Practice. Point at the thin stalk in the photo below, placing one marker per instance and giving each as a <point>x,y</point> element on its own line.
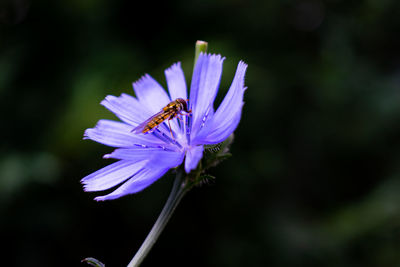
<point>179,189</point>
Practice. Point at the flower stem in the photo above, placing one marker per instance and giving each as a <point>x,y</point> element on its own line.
<point>179,189</point>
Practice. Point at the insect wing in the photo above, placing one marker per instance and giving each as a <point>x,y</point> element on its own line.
<point>142,126</point>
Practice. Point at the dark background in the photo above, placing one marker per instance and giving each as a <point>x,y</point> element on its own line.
<point>314,179</point>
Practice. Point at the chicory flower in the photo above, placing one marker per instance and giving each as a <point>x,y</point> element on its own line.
<point>144,158</point>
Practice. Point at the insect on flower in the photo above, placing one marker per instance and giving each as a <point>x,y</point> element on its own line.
<point>144,157</point>
<point>169,112</point>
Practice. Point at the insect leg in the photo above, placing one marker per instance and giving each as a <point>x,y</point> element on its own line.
<point>185,114</point>
<point>169,125</point>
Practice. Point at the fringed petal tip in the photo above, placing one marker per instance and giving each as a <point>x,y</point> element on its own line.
<point>141,79</point>
<point>176,82</point>
<point>85,189</point>
<point>173,67</point>
<point>86,134</point>
<point>242,64</point>
<point>212,56</point>
<point>144,81</point>
<point>107,156</point>
<point>108,101</point>
<point>104,198</point>
<point>150,93</point>
<point>99,199</point>
<point>108,98</point>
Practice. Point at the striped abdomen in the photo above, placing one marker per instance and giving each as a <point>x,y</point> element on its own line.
<point>157,120</point>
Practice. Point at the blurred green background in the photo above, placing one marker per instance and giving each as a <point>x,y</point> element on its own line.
<point>315,176</point>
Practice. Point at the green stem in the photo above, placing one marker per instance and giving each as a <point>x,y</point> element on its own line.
<point>179,189</point>
<point>201,46</point>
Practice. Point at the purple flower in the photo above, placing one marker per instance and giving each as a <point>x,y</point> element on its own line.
<point>144,158</point>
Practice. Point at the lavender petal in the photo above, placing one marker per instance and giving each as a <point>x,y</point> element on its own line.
<point>152,153</point>
<point>151,94</point>
<point>127,108</point>
<point>112,175</point>
<point>153,170</point>
<point>227,116</point>
<point>118,134</point>
<point>204,87</point>
<point>193,156</point>
<point>176,82</point>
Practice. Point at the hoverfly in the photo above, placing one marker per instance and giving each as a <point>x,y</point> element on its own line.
<point>169,112</point>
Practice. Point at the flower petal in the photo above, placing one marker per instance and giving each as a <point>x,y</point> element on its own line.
<point>127,108</point>
<point>176,82</point>
<point>118,134</point>
<point>153,170</point>
<point>177,89</point>
<point>227,116</point>
<point>112,175</point>
<point>152,154</point>
<point>193,156</point>
<point>224,130</point>
<point>204,87</point>
<point>140,181</point>
<point>151,94</point>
